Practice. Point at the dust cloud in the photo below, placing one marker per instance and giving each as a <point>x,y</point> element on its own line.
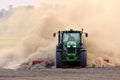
<point>26,31</point>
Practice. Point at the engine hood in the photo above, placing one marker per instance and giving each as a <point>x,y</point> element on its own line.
<point>71,43</point>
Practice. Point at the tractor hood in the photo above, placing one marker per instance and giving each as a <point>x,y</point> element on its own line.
<point>71,44</point>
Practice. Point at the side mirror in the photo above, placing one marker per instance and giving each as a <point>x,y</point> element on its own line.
<point>54,34</point>
<point>86,34</point>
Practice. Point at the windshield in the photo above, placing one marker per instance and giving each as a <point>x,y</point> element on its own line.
<point>71,37</point>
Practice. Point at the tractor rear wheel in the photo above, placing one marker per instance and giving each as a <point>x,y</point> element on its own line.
<point>83,59</point>
<point>58,60</point>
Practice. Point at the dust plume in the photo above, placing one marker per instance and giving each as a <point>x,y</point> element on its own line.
<point>26,31</point>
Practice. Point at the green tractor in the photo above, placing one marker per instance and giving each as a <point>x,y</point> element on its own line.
<point>70,49</point>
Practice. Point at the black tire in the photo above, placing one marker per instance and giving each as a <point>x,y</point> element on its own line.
<point>58,60</point>
<point>83,59</point>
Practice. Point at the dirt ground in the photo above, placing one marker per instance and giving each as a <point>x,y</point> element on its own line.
<point>62,74</point>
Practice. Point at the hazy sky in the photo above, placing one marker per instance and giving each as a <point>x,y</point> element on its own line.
<point>6,3</point>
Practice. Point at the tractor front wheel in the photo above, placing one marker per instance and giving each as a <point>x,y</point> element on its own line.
<point>83,59</point>
<point>58,60</point>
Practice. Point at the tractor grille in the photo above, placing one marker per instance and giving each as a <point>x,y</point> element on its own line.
<point>71,50</point>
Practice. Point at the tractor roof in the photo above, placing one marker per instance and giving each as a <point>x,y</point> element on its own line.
<point>71,31</point>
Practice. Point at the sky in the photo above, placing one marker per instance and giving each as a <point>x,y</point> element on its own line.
<point>5,3</point>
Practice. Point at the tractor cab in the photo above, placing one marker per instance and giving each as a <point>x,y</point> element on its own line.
<point>71,38</point>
